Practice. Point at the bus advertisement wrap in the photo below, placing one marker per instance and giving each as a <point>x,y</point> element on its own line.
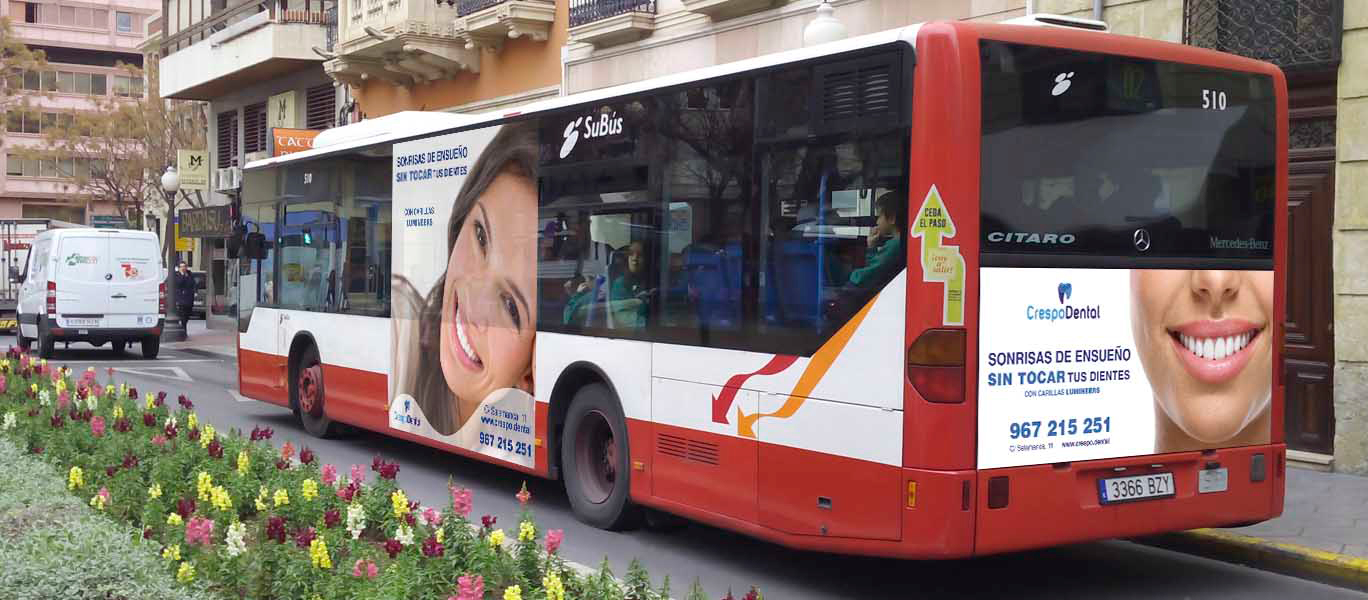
<point>464,289</point>
<point>1083,364</point>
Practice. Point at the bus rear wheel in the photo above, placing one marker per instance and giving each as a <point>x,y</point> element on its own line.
<point>309,395</point>
<point>594,452</point>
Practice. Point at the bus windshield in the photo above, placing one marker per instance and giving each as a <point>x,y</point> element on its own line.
<point>1113,156</point>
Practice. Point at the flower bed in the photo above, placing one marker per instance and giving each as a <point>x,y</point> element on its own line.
<point>245,519</point>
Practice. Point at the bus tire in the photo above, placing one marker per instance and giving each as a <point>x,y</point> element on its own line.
<point>594,453</point>
<point>309,393</point>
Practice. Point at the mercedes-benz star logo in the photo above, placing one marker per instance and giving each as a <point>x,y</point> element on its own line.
<point>1141,239</point>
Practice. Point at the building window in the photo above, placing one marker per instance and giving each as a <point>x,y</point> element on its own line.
<point>30,12</point>
<point>53,168</point>
<point>123,22</point>
<point>70,214</point>
<point>128,86</point>
<point>320,107</point>
<point>254,132</point>
<point>227,139</point>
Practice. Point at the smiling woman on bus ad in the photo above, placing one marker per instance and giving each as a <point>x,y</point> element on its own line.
<point>1203,338</point>
<point>471,344</point>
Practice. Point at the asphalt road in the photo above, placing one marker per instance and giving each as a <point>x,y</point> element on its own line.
<point>720,559</point>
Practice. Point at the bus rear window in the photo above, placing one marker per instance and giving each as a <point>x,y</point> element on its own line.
<point>1099,157</point>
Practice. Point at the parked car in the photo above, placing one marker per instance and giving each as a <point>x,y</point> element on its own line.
<point>92,285</point>
<point>200,309</point>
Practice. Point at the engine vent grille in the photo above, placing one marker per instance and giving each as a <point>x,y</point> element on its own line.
<point>687,449</point>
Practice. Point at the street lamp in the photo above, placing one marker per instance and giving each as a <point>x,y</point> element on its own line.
<point>172,329</point>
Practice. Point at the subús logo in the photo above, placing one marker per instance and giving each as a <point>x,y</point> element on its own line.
<point>1064,312</point>
<point>589,128</point>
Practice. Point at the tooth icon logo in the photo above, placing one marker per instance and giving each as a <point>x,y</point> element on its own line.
<point>1065,292</point>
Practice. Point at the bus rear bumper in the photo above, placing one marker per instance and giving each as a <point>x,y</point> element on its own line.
<point>1047,505</point>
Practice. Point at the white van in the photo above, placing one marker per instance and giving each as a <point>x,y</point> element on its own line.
<point>93,285</point>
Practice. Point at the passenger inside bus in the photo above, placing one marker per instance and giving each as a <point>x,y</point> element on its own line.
<point>886,253</point>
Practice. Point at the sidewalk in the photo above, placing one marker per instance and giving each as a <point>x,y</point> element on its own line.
<point>222,342</point>
<point>1322,533</point>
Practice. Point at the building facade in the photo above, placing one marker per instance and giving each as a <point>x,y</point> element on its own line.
<point>1322,45</point>
<point>458,55</point>
<point>84,43</point>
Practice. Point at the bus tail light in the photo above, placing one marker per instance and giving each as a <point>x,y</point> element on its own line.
<point>161,298</point>
<point>935,365</point>
<point>52,299</point>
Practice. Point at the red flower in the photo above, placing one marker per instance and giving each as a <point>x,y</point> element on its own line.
<point>132,393</point>
<point>523,495</point>
<point>37,450</point>
<point>193,435</point>
<point>305,536</point>
<point>122,425</point>
<point>130,461</point>
<point>376,462</point>
<point>170,431</point>
<point>432,548</point>
<point>488,521</point>
<point>58,421</point>
<point>149,419</point>
<point>753,594</point>
<point>147,533</point>
<point>33,412</point>
<point>409,520</point>
<point>389,471</point>
<point>185,507</point>
<point>306,456</point>
<point>215,449</point>
<point>393,547</point>
<point>111,471</point>
<point>283,465</point>
<point>331,518</point>
<point>181,400</point>
<point>275,529</point>
<point>262,433</point>
<point>347,492</point>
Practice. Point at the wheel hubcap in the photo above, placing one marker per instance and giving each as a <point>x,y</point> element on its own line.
<point>311,390</point>
<point>596,457</point>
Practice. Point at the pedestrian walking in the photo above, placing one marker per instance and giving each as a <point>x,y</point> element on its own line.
<point>185,294</point>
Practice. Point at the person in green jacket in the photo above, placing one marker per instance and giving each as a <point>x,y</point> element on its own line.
<point>886,254</point>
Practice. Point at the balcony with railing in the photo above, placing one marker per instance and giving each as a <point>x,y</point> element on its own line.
<point>611,22</point>
<point>403,42</point>
<point>487,23</point>
<point>726,9</point>
<point>242,45</point>
<point>1297,35</point>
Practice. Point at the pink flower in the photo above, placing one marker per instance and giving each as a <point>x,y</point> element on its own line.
<point>97,426</point>
<point>287,451</point>
<point>199,530</point>
<point>471,587</point>
<point>329,475</point>
<point>63,400</point>
<point>461,501</point>
<point>371,570</point>
<point>358,474</point>
<point>103,493</point>
<point>523,495</point>
<point>365,568</point>
<point>431,516</point>
<point>159,440</point>
<point>554,537</point>
<point>2,384</point>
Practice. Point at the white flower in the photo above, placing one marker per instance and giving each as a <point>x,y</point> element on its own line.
<point>236,544</point>
<point>171,421</point>
<point>43,397</point>
<point>404,534</point>
<point>356,519</point>
<point>93,402</point>
<point>8,422</point>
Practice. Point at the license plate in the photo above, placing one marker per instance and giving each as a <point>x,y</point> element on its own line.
<point>1213,480</point>
<point>82,322</point>
<point>1137,487</point>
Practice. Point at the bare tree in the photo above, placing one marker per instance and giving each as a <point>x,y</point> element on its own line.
<point>15,59</point>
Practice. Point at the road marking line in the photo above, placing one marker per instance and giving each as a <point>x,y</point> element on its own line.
<point>176,373</point>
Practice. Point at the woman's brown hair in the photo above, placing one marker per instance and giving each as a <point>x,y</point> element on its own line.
<point>513,151</point>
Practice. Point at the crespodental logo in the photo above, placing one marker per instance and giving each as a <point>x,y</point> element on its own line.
<point>589,128</point>
<point>1064,312</point>
<point>402,414</point>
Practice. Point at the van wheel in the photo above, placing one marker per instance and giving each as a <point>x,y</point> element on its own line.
<point>45,342</point>
<point>150,347</point>
<point>23,342</point>
<point>119,346</point>
<point>595,453</point>
<point>309,394</point>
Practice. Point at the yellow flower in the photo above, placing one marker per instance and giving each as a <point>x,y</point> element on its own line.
<point>261,499</point>
<point>207,435</point>
<point>61,385</point>
<point>441,537</point>
<point>400,502</point>
<point>75,478</point>
<point>174,520</point>
<point>151,400</point>
<point>244,462</point>
<point>186,572</point>
<point>123,390</point>
<point>171,552</point>
<point>526,531</point>
<point>555,589</point>
<point>109,389</point>
<point>513,593</point>
<point>33,387</point>
<point>282,497</point>
<point>308,489</point>
<point>318,554</point>
<point>192,421</point>
<point>97,502</point>
<point>204,484</point>
<point>220,499</point>
<point>154,492</point>
<point>496,538</point>
<point>118,411</point>
<point>43,362</point>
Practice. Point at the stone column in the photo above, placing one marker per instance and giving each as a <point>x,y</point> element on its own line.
<point>1351,247</point>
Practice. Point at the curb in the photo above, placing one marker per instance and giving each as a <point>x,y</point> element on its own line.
<point>1289,559</point>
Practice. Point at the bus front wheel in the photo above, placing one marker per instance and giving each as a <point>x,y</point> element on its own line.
<point>309,395</point>
<point>594,453</point>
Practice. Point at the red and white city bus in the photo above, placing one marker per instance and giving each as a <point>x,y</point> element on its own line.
<point>947,290</point>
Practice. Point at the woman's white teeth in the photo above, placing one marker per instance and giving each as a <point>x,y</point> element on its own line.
<point>1216,348</point>
<point>461,338</point>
